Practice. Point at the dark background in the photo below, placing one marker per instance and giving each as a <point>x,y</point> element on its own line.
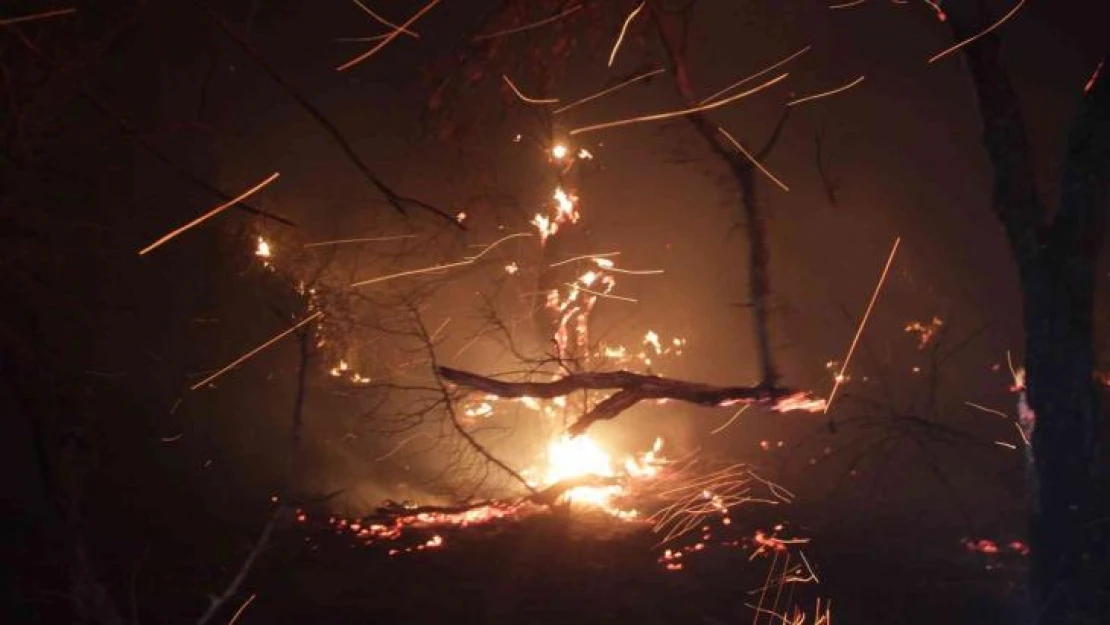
<point>108,343</point>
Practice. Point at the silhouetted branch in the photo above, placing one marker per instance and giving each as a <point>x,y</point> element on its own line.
<point>396,200</point>
<point>631,388</point>
<point>742,169</point>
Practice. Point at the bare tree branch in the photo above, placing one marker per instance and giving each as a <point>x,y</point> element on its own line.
<point>742,169</point>
<point>631,389</point>
<point>396,200</point>
<point>1016,201</point>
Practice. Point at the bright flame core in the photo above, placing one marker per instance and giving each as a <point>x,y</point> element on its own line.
<point>581,457</point>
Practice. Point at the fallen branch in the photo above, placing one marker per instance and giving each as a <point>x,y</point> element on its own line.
<point>631,388</point>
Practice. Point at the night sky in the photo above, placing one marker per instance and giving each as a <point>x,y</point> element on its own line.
<point>118,339</point>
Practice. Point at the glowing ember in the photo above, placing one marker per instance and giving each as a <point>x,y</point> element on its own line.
<point>559,151</point>
<point>262,250</point>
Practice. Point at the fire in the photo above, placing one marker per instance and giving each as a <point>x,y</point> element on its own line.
<point>559,151</point>
<point>262,250</point>
<point>582,457</point>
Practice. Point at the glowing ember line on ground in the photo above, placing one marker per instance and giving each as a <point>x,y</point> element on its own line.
<point>679,113</point>
<point>825,94</point>
<point>525,98</point>
<point>605,92</point>
<point>254,351</point>
<point>212,213</point>
<point>381,20</point>
<point>363,240</point>
<point>34,17</point>
<point>529,26</point>
<point>965,42</point>
<point>754,161</point>
<point>624,29</point>
<point>863,322</point>
<point>761,72</point>
<point>389,38</point>
<point>847,5</point>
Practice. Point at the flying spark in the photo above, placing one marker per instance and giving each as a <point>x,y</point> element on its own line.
<point>526,98</point>
<point>363,240</point>
<point>34,17</point>
<point>965,42</point>
<point>381,20</point>
<point>754,161</point>
<point>825,94</point>
<point>530,26</point>
<point>624,29</point>
<point>863,322</point>
<point>605,92</point>
<point>466,261</point>
<point>679,113</point>
<point>254,351</point>
<point>209,214</point>
<point>761,72</point>
<point>385,42</point>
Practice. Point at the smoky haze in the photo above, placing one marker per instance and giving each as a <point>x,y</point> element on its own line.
<point>902,149</point>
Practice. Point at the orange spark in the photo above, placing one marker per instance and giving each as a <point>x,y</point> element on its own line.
<point>254,351</point>
<point>363,240</point>
<point>1002,20</point>
<point>733,419</point>
<point>751,158</point>
<point>847,5</point>
<point>381,20</point>
<point>680,113</point>
<point>243,607</point>
<point>605,92</point>
<point>985,409</point>
<point>209,214</point>
<point>1094,78</point>
<point>600,294</point>
<point>583,257</point>
<point>825,94</point>
<point>624,29</point>
<point>863,322</point>
<point>941,15</point>
<point>529,26</point>
<point>385,42</point>
<point>466,261</point>
<point>761,72</point>
<point>34,17</point>
<point>526,98</point>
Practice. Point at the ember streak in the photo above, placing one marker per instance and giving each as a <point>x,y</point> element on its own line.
<point>555,311</point>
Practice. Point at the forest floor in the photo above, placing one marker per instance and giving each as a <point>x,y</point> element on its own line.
<point>560,568</point>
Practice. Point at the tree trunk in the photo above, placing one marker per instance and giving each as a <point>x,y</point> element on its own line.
<point>1069,579</point>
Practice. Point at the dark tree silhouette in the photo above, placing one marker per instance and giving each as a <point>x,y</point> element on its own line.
<point>1056,257</point>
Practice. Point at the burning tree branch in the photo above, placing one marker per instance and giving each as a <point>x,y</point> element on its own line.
<point>631,388</point>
